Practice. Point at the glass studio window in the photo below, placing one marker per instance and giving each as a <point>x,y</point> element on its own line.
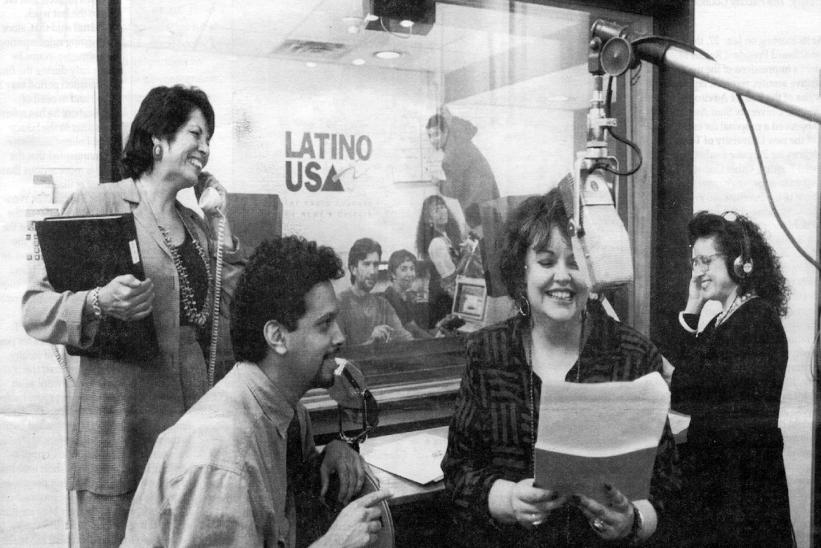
<point>326,103</point>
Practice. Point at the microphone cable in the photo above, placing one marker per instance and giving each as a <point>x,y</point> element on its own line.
<point>617,137</point>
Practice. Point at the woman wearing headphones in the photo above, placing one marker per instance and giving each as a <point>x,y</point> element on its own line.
<point>728,377</point>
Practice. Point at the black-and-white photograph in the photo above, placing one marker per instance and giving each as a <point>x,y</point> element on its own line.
<point>410,273</point>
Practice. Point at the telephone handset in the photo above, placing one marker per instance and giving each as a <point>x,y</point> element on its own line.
<point>211,200</point>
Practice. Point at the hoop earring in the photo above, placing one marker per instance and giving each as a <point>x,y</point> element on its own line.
<point>157,153</point>
<point>523,306</point>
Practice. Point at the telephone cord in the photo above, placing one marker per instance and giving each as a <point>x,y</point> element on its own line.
<point>215,316</point>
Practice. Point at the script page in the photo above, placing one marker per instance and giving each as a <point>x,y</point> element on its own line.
<point>592,434</point>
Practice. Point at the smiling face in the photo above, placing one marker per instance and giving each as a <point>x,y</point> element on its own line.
<point>438,214</point>
<point>715,281</point>
<point>365,272</point>
<point>404,275</point>
<point>314,343</point>
<point>186,153</point>
<point>555,288</point>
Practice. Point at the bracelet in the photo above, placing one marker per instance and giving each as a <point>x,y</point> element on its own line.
<point>638,522</point>
<point>95,303</point>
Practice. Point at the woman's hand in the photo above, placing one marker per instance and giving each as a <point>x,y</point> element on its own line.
<point>611,522</point>
<point>695,297</point>
<point>127,298</point>
<point>522,502</point>
<point>211,207</point>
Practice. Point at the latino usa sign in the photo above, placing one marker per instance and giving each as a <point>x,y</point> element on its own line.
<point>309,159</point>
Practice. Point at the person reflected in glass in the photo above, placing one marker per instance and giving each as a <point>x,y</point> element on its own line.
<point>468,176</point>
<point>561,334</point>
<point>728,377</point>
<point>439,242</point>
<point>402,295</point>
<point>366,317</point>
<point>120,406</point>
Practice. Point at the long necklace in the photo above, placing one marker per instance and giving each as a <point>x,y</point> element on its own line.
<point>528,343</point>
<point>189,302</point>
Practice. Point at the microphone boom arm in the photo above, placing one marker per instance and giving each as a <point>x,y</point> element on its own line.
<point>701,68</point>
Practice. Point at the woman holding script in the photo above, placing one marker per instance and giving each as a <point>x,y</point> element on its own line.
<point>120,405</point>
<point>560,335</point>
<point>729,377</point>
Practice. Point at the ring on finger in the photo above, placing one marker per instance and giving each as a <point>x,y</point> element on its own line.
<point>598,525</point>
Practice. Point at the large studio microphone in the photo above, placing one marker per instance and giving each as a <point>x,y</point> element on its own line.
<point>357,411</point>
<point>597,234</point>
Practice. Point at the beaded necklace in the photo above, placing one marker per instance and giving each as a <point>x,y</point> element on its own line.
<point>189,302</point>
<point>737,302</point>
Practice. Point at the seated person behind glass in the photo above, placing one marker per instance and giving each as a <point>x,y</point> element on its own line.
<point>364,317</point>
<point>401,293</point>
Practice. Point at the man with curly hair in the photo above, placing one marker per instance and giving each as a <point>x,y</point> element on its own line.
<point>223,475</point>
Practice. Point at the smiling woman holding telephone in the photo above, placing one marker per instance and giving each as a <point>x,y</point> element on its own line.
<point>121,405</point>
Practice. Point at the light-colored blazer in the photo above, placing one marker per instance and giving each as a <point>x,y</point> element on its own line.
<point>121,406</point>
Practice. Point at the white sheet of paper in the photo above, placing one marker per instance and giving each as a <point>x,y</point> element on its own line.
<point>591,434</point>
<point>416,458</point>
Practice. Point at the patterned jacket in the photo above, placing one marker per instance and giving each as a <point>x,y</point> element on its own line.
<point>491,438</point>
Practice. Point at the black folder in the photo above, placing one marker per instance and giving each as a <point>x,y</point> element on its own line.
<point>84,252</point>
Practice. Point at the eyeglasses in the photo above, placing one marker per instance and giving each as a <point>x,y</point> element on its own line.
<point>368,411</point>
<point>702,262</point>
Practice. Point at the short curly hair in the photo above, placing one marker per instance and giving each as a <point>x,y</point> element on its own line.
<point>279,275</point>
<point>728,230</point>
<point>163,111</point>
<point>529,225</point>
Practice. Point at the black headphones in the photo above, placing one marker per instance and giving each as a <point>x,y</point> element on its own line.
<point>743,264</point>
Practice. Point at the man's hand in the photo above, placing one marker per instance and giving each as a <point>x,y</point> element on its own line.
<point>381,333</point>
<point>349,467</point>
<point>357,524</point>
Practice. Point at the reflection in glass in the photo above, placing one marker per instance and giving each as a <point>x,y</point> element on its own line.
<point>345,147</point>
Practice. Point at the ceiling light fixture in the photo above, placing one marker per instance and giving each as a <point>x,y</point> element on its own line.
<point>406,23</point>
<point>388,54</point>
<point>358,61</point>
<point>310,64</point>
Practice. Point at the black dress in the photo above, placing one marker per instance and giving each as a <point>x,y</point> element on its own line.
<point>729,379</point>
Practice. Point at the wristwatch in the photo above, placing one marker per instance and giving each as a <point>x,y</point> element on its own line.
<point>638,523</point>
